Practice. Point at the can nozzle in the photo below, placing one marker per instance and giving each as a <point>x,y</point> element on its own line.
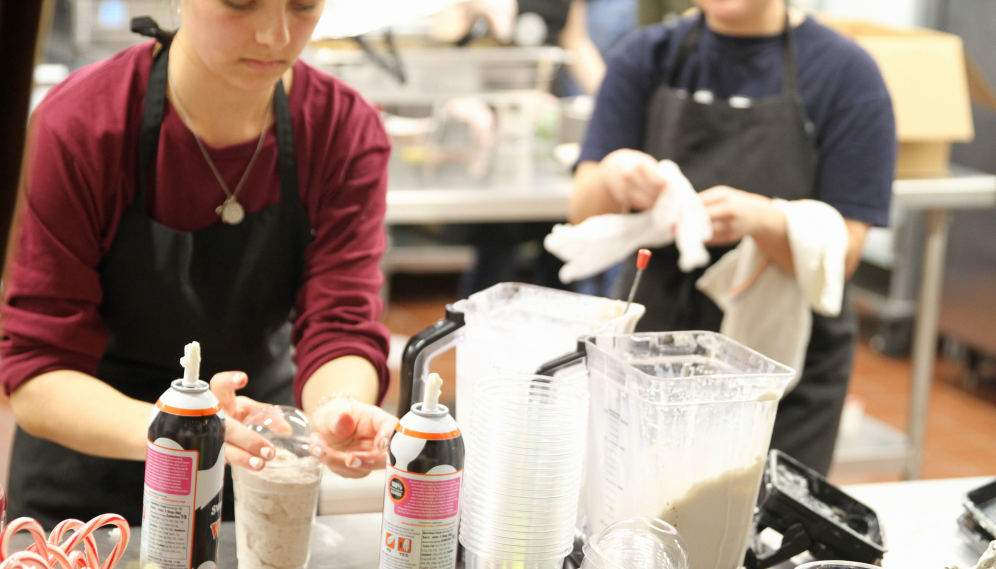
<point>191,362</point>
<point>433,387</point>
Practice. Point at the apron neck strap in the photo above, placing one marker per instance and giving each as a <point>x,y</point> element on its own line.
<point>152,121</point>
<point>287,157</point>
<point>691,41</point>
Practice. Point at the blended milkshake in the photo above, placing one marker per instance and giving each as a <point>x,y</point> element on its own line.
<point>715,517</point>
<point>274,510</point>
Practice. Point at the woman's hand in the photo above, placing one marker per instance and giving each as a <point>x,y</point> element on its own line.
<point>736,214</point>
<point>351,437</point>
<point>244,447</point>
<point>632,178</point>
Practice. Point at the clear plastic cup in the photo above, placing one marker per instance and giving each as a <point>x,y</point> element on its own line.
<point>497,548</point>
<point>275,507</point>
<point>636,543</point>
<point>513,541</point>
<point>551,515</point>
<point>517,556</point>
<point>531,521</point>
<point>515,437</point>
<point>498,457</point>
<point>524,488</point>
<point>476,560</point>
<point>535,461</point>
<point>522,474</point>
<point>837,565</point>
<point>521,505</point>
<point>502,528</point>
<point>522,470</point>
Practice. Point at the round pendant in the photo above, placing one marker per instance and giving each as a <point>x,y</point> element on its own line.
<point>232,212</point>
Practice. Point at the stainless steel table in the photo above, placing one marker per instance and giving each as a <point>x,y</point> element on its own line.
<point>964,189</point>
<point>544,199</point>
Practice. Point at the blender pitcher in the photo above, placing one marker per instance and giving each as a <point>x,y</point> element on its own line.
<point>510,327</point>
<point>679,428</point>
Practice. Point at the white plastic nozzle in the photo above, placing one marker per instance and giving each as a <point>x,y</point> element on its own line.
<point>191,362</point>
<point>433,387</point>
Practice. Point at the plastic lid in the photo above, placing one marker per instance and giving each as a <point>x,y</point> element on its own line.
<point>640,542</point>
<point>289,429</point>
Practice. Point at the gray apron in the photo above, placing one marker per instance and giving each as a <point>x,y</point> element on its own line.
<point>765,149</point>
<point>230,287</point>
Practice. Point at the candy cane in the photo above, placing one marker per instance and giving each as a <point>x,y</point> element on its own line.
<point>89,543</point>
<point>51,554</point>
<point>20,560</point>
<point>25,524</point>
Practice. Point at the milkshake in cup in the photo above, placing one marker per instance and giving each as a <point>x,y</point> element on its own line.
<point>275,507</point>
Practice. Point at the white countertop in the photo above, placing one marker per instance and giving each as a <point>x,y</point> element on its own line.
<point>919,517</point>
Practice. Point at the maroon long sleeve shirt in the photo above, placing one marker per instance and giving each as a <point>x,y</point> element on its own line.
<point>82,177</point>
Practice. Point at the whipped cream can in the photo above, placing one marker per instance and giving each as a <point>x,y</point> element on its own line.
<point>422,494</point>
<point>184,474</point>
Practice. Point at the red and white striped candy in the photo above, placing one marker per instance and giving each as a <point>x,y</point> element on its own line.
<point>58,553</point>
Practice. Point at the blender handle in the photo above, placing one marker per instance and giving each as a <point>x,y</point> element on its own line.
<point>553,366</point>
<point>412,361</point>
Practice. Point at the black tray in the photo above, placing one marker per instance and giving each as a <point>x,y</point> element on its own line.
<point>978,523</point>
<point>813,515</point>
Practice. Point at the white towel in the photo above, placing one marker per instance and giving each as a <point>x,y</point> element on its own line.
<point>602,241</point>
<point>769,310</point>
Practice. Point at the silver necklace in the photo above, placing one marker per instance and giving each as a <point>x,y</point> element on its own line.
<point>230,211</point>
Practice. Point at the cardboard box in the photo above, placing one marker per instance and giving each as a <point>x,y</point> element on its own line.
<point>932,84</point>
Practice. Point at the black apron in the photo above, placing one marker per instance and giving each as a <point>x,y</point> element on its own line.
<point>765,149</point>
<point>230,287</point>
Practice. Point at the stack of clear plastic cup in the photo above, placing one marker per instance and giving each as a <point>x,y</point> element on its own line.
<point>522,474</point>
<point>640,542</point>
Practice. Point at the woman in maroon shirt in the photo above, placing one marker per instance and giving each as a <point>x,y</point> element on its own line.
<point>206,186</point>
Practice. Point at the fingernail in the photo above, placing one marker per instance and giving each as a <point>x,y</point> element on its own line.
<point>256,462</point>
<point>383,444</point>
<point>267,453</point>
<point>370,461</point>
<point>316,451</point>
<point>355,463</point>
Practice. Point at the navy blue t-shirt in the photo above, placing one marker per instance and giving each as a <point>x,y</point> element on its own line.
<point>843,91</point>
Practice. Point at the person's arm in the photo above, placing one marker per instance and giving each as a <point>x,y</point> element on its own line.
<point>588,68</point>
<point>857,146</point>
<point>341,345</point>
<point>352,433</point>
<point>53,334</point>
<point>84,414</point>
<point>736,213</point>
<point>625,179</point>
<point>610,175</point>
<point>348,374</point>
